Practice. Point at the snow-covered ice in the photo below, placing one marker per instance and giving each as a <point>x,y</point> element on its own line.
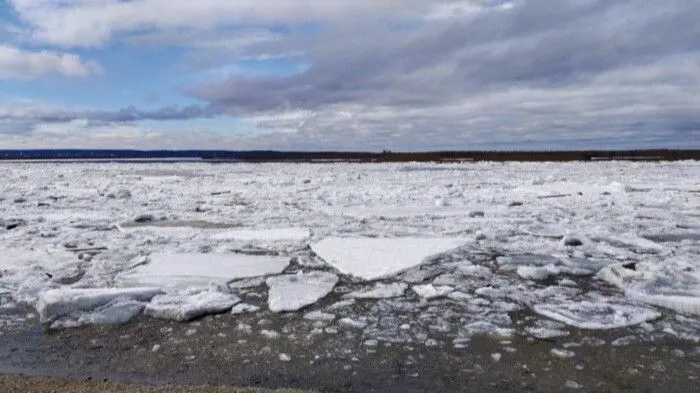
<point>377,258</point>
<point>452,250</point>
<point>295,291</point>
<point>192,269</point>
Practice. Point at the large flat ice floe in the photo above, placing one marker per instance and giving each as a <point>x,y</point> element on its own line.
<point>275,234</point>
<point>296,291</point>
<point>377,258</point>
<point>191,269</point>
<point>596,315</point>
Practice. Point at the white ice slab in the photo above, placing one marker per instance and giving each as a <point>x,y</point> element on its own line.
<point>186,270</point>
<point>430,291</point>
<point>275,234</point>
<point>296,291</point>
<point>670,287</point>
<point>380,291</point>
<point>185,307</point>
<point>116,312</point>
<point>596,315</point>
<point>12,259</point>
<point>56,303</point>
<point>376,258</point>
<point>534,273</point>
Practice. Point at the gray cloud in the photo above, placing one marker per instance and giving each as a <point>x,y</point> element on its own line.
<point>537,43</point>
<point>125,115</point>
<point>526,74</point>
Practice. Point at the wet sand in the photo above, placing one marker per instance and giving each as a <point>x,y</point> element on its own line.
<point>216,351</point>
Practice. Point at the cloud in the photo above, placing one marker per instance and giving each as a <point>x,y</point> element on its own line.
<point>17,63</point>
<point>94,22</point>
<point>536,43</point>
<point>404,75</point>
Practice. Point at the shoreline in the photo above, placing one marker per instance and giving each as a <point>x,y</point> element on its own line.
<point>38,384</point>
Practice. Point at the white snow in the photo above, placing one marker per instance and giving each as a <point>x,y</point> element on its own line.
<point>377,258</point>
<point>596,315</point>
<point>296,291</point>
<point>194,269</point>
<point>56,303</point>
<point>275,234</point>
<point>380,291</point>
<point>192,304</point>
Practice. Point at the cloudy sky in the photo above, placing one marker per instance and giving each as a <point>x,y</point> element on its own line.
<point>349,74</point>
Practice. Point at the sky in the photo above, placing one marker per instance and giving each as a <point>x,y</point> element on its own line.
<point>353,75</point>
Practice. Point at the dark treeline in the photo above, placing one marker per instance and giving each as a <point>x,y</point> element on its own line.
<point>386,156</point>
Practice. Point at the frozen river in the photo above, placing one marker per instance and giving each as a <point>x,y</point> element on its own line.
<point>398,253</point>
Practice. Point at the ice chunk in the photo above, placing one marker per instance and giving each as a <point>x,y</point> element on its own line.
<point>527,260</point>
<point>596,315</point>
<point>293,292</point>
<point>534,273</point>
<point>377,258</point>
<point>276,234</point>
<point>241,308</point>
<point>562,353</point>
<point>319,316</point>
<point>429,291</point>
<point>57,303</point>
<point>671,286</point>
<point>680,303</point>
<point>188,306</point>
<point>186,270</point>
<point>380,291</point>
<point>546,329</point>
<point>118,311</point>
<point>352,323</point>
<point>488,328</point>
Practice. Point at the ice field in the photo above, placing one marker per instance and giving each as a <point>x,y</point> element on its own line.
<point>395,251</point>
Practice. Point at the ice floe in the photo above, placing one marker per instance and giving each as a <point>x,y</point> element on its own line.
<point>597,315</point>
<point>637,224</point>
<point>430,291</point>
<point>677,289</point>
<point>191,269</point>
<point>377,258</point>
<point>295,291</point>
<point>57,303</point>
<point>191,304</point>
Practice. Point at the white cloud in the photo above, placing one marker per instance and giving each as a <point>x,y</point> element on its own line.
<point>93,22</point>
<point>16,63</point>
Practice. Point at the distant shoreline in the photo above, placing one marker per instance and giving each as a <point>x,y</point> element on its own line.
<point>165,156</point>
